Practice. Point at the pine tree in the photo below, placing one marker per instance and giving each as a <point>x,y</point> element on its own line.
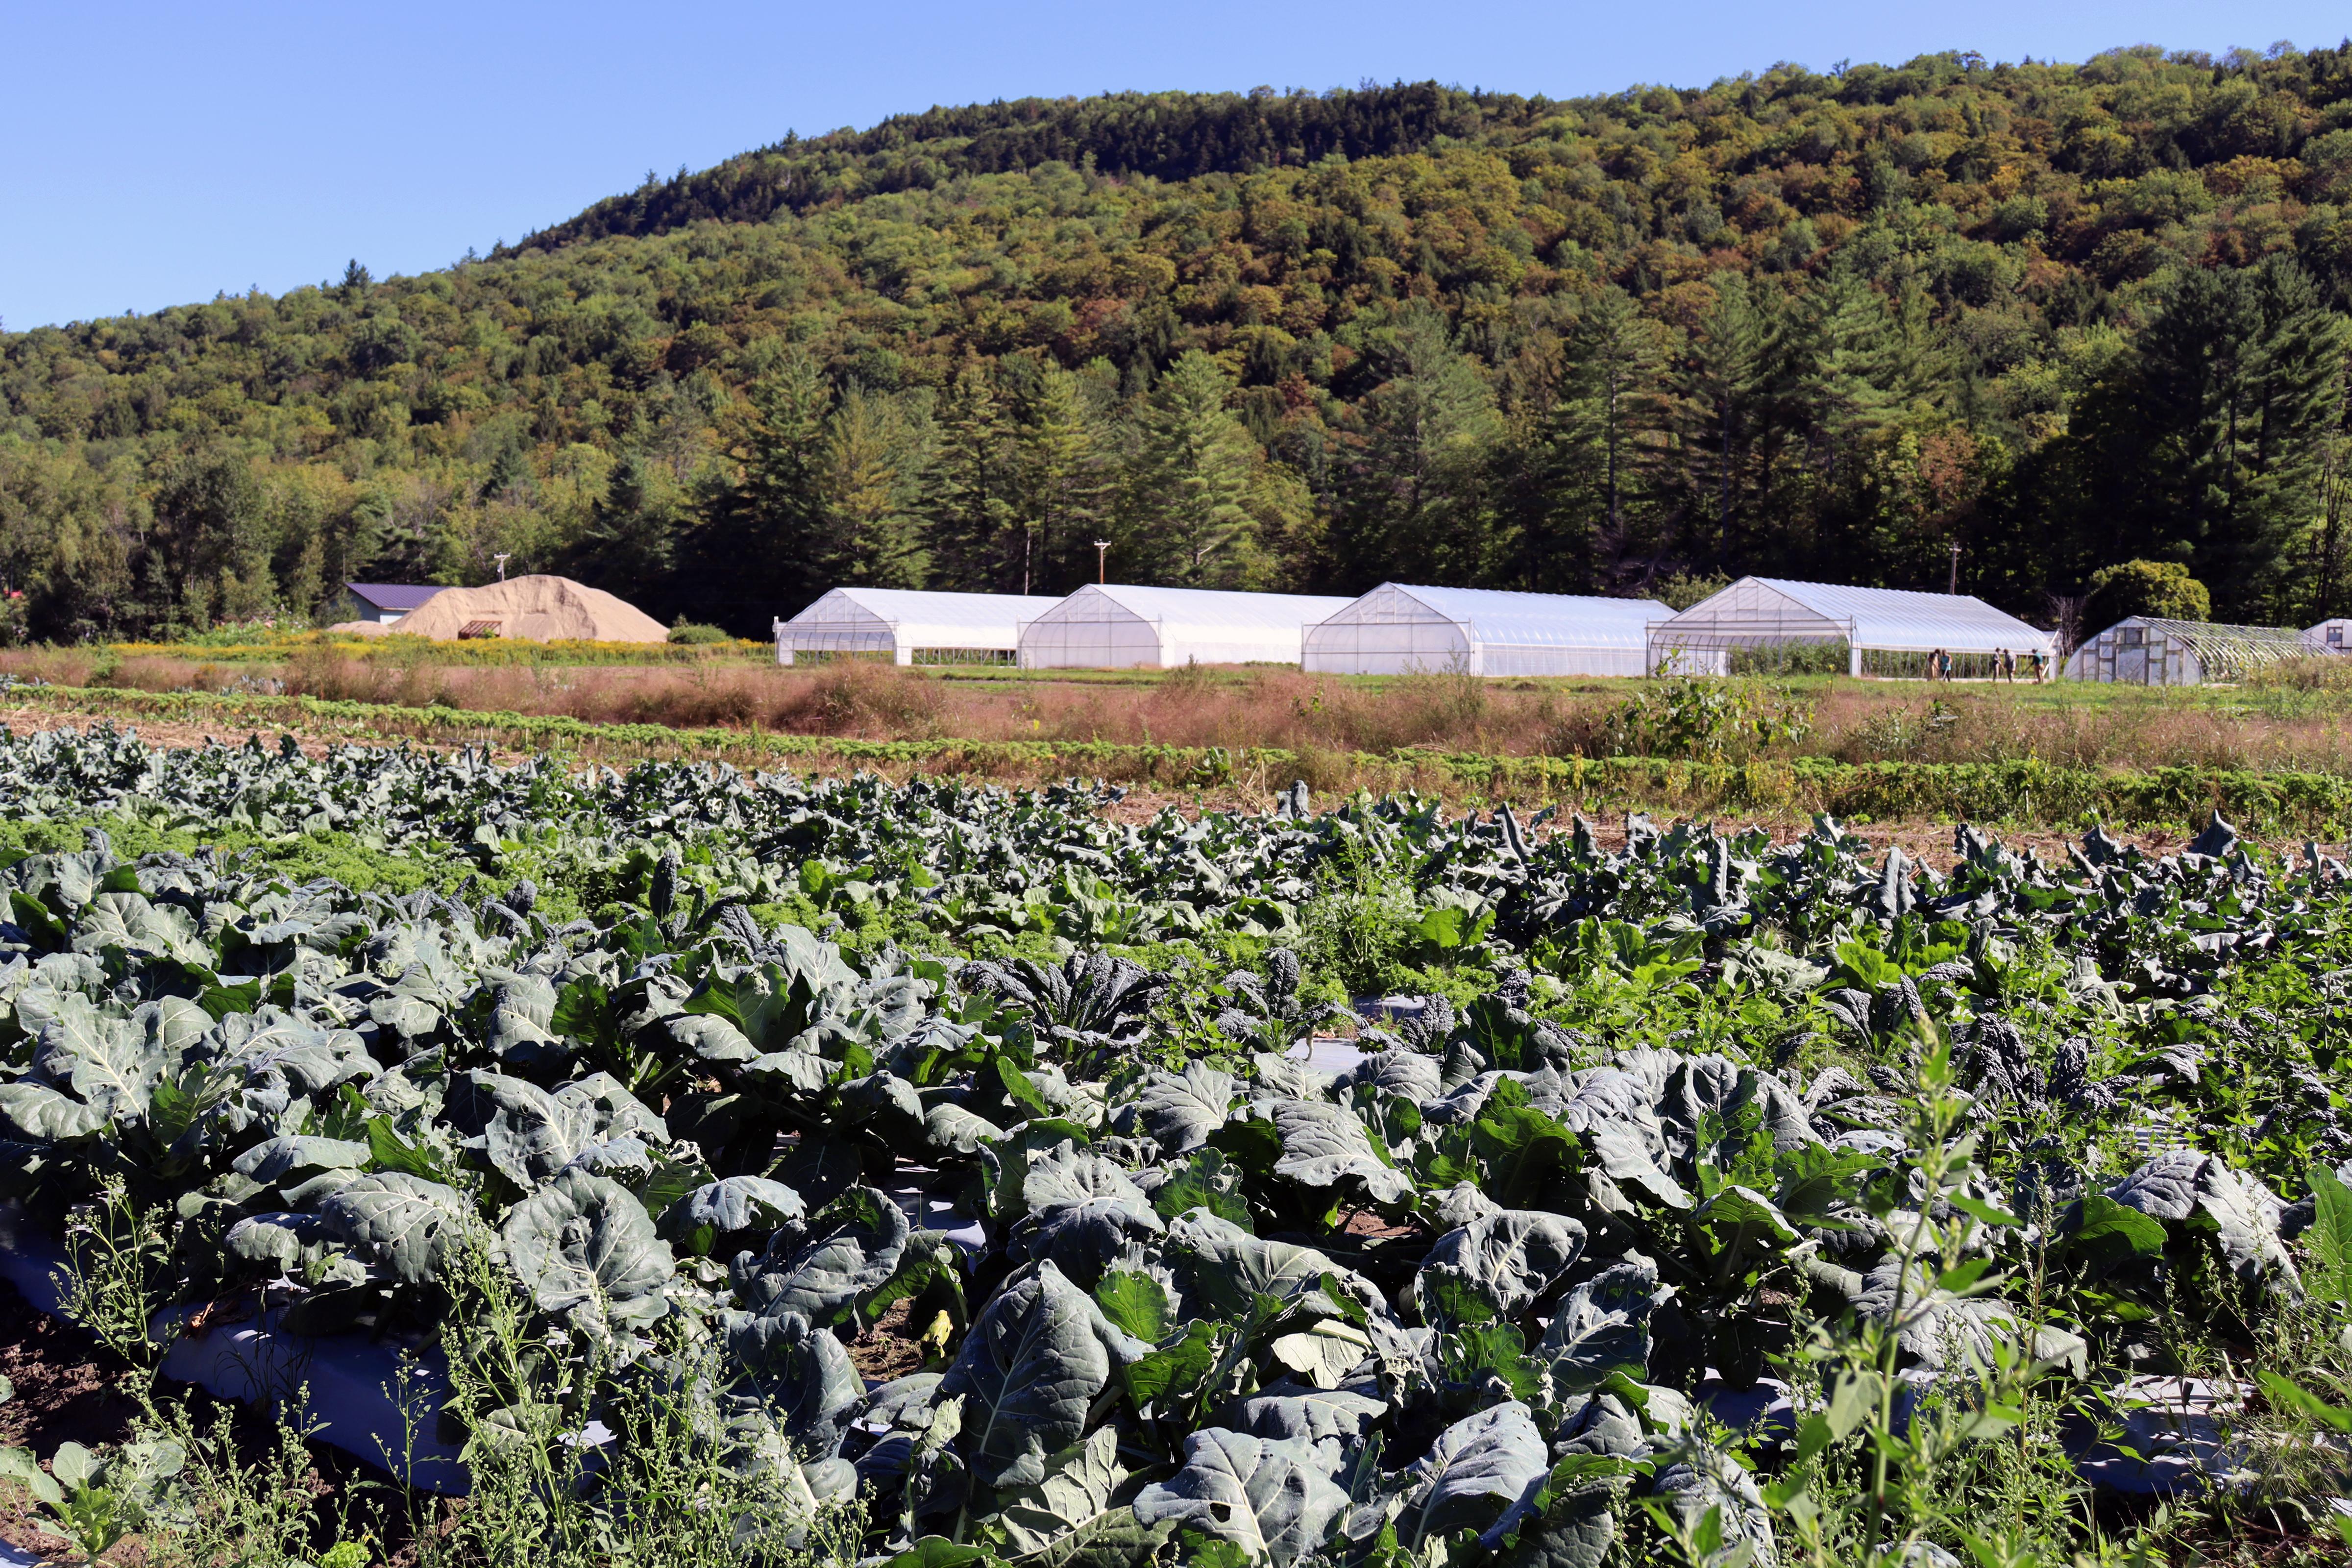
<point>632,538</point>
<point>1724,383</point>
<point>1853,367</point>
<point>1603,446</point>
<point>2211,447</point>
<point>1061,465</point>
<point>869,531</point>
<point>753,556</point>
<point>1414,500</point>
<point>976,510</point>
<point>1187,519</point>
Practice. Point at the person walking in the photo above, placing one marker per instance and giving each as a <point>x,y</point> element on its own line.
<point>1936,663</point>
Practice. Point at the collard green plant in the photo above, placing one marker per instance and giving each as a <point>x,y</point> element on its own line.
<point>1701,1112</point>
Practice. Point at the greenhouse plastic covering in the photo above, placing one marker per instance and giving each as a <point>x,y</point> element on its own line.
<point>1758,612</point>
<point>1397,627</point>
<point>1118,626</point>
<point>2330,637</point>
<point>2149,651</point>
<point>906,626</point>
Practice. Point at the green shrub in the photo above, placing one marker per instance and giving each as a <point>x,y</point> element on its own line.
<point>2161,588</point>
<point>695,634</point>
<point>1701,718</point>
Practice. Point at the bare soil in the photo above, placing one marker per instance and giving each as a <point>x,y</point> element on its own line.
<point>892,1347</point>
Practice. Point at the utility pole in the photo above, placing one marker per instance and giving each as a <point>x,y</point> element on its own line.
<point>502,557</point>
<point>1102,553</point>
<point>1954,588</point>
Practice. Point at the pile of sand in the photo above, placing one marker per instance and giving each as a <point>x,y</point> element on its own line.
<point>537,608</point>
<point>359,628</point>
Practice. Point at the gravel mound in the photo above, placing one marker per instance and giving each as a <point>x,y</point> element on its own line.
<point>537,608</point>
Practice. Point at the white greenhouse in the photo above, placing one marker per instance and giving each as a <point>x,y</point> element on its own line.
<point>2149,650</point>
<point>2330,637</point>
<point>1400,627</point>
<point>908,627</point>
<point>1116,626</point>
<point>1885,631</point>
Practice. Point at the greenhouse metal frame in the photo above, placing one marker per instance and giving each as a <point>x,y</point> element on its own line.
<point>2149,651</point>
<point>1400,628</point>
<point>1886,631</point>
<point>907,626</point>
<point>1116,626</point>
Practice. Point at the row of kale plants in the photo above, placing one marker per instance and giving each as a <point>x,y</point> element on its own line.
<point>1933,1170</point>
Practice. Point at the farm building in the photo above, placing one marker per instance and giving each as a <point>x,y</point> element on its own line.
<point>386,602</point>
<point>1885,631</point>
<point>2330,637</point>
<point>2146,650</point>
<point>1399,626</point>
<point>909,627</point>
<point>1116,626</point>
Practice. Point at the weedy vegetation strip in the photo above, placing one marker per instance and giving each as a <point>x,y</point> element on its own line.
<point>2026,791</point>
<point>657,1102</point>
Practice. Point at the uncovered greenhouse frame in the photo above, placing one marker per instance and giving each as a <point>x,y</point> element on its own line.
<point>907,626</point>
<point>1117,625</point>
<point>2149,651</point>
<point>1886,631</point>
<point>1400,627</point>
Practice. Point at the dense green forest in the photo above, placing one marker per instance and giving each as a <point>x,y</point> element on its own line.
<point>1816,325</point>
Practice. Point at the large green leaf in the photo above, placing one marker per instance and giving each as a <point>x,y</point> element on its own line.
<point>584,1246</point>
<point>1601,1328</point>
<point>1267,1497</point>
<point>106,1061</point>
<point>1180,1112</point>
<point>1496,1265</point>
<point>732,1206</point>
<point>2330,1276</point>
<point>1074,1492</point>
<point>1477,1468</point>
<point>1030,1371</point>
<point>1223,1269</point>
<point>41,1113</point>
<point>1310,1415</point>
<point>1324,1145</point>
<point>855,1249</point>
<point>2200,1191</point>
<point>803,1375</point>
<point>402,1223</point>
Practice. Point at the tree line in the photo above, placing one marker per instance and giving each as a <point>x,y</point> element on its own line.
<point>2063,317</point>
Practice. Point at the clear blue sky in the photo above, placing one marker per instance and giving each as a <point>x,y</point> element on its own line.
<point>158,154</point>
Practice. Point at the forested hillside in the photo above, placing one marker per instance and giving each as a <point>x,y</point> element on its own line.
<point>1818,325</point>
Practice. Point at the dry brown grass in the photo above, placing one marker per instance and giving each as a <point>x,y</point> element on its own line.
<point>854,699</point>
<point>2103,729</point>
<point>2297,716</point>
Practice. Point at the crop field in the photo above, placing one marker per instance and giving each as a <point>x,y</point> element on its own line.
<point>2275,755</point>
<point>753,1167</point>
